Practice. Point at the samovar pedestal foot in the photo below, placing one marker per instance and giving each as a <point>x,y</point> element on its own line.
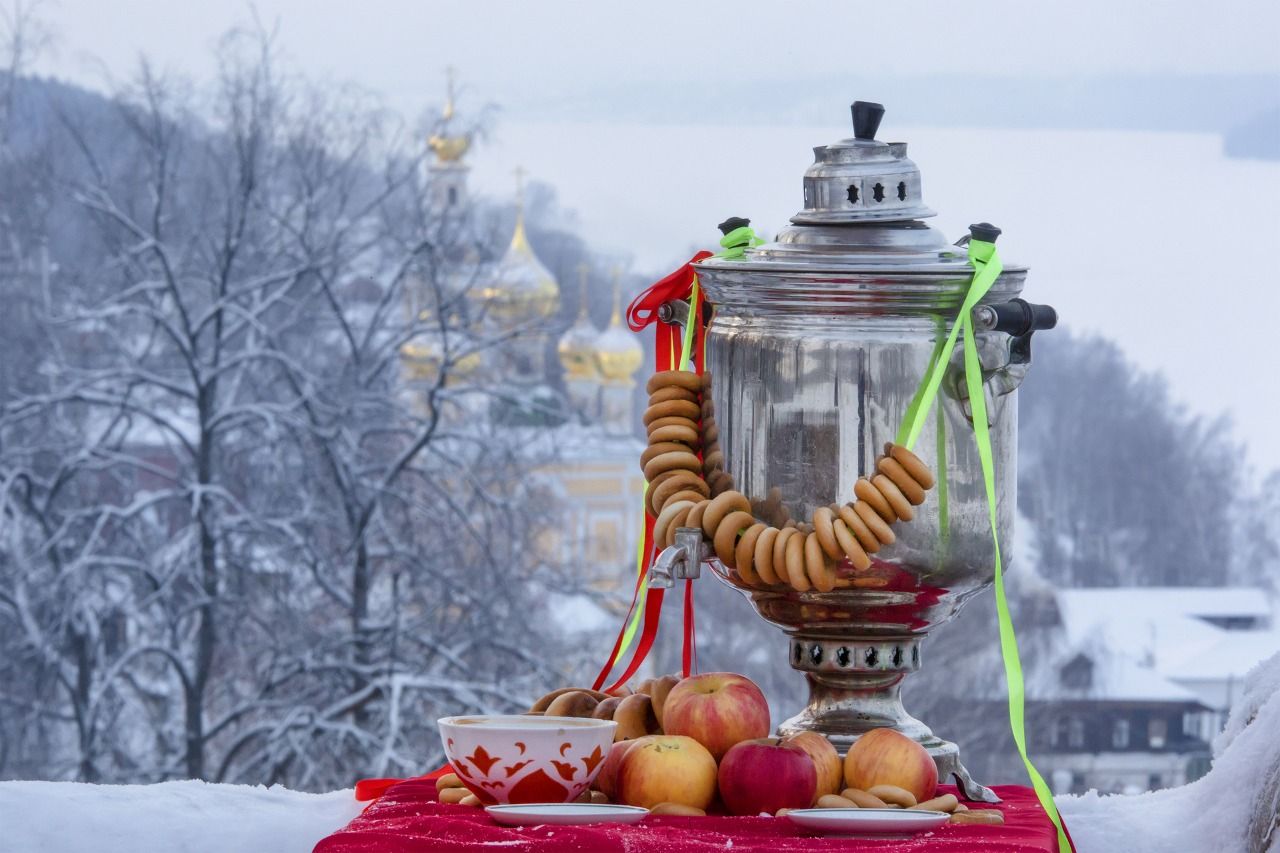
<point>855,685</point>
<point>949,767</point>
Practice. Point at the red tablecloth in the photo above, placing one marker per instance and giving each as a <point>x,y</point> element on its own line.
<point>407,819</point>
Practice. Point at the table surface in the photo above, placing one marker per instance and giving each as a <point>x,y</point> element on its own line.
<point>407,819</point>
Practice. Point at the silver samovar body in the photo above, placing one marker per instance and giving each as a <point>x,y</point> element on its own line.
<point>818,343</point>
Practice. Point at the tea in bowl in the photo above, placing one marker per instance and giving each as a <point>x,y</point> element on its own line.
<point>513,758</point>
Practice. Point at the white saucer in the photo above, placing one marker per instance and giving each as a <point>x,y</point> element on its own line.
<point>565,814</point>
<point>884,821</point>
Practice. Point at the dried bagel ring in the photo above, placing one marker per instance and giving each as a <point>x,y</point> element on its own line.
<point>822,518</point>
<point>681,516</point>
<point>670,420</point>
<point>744,554</point>
<point>849,544</point>
<point>695,514</point>
<point>672,409</point>
<point>541,705</point>
<point>720,482</point>
<point>794,556</point>
<point>687,495</point>
<point>659,448</point>
<point>666,516</point>
<point>720,507</point>
<point>672,392</point>
<point>869,493</point>
<point>685,379</point>
<point>859,529</point>
<point>712,460</point>
<point>660,495</point>
<point>918,470</point>
<point>784,536</point>
<point>762,559</point>
<point>575,703</point>
<point>725,542</point>
<point>873,520</point>
<point>911,490</point>
<point>710,432</point>
<point>683,433</point>
<point>895,497</point>
<point>677,459</point>
<point>708,408</point>
<point>816,566</point>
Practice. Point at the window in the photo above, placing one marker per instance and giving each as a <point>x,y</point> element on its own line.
<point>1120,734</point>
<point>453,196</point>
<point>1075,733</point>
<point>1157,732</point>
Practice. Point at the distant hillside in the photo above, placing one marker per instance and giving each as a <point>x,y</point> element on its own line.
<point>1256,139</point>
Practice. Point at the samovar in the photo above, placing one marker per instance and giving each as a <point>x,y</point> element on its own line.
<point>819,341</point>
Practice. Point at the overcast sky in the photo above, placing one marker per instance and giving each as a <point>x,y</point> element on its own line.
<point>525,52</point>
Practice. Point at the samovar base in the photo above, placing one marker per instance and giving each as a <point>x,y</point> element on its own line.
<point>855,685</point>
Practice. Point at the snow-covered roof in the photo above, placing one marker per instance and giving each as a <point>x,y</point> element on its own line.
<point>1115,678</point>
<point>1233,656</point>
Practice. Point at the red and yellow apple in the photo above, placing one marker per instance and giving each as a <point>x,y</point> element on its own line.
<point>765,775</point>
<point>717,709</point>
<point>887,757</point>
<point>606,780</point>
<point>667,769</point>
<point>826,761</point>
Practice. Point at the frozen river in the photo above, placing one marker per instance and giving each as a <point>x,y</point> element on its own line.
<point>1154,239</point>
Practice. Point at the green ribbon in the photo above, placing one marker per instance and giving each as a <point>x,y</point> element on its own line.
<point>986,269</point>
<point>737,241</point>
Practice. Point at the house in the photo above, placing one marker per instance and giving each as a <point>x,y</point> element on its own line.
<point>1141,682</point>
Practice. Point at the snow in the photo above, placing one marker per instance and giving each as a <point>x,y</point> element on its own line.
<point>1214,813</point>
<point>1116,678</point>
<point>169,817</point>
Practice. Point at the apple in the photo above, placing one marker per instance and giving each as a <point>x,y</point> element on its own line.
<point>667,769</point>
<point>826,761</point>
<point>765,775</point>
<point>717,709</point>
<point>888,757</point>
<point>606,780</point>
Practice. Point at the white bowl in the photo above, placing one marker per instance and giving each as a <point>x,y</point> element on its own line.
<point>514,758</point>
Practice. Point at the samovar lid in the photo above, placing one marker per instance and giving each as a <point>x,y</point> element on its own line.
<point>862,179</point>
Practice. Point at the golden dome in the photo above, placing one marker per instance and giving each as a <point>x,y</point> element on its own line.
<point>422,362</point>
<point>618,351</point>
<point>577,346</point>
<point>448,148</point>
<point>522,288</point>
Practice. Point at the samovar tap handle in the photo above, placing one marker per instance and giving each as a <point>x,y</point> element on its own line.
<point>681,560</point>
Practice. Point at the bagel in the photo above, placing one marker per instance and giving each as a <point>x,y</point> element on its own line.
<point>853,550</point>
<point>712,460</point>
<point>895,497</point>
<point>672,392</point>
<point>671,409</point>
<point>665,517</point>
<point>892,469</point>
<point>822,519</point>
<point>679,520</point>
<point>762,559</point>
<point>911,463</point>
<point>695,514</point>
<point>819,571</point>
<point>675,460</point>
<point>780,554</point>
<point>685,379</point>
<point>873,520</point>
<point>794,556</point>
<point>659,448</point>
<point>604,710</point>
<point>721,506</point>
<point>859,528</point>
<point>745,551</point>
<point>725,541</point>
<point>869,493</point>
<point>661,494</point>
<point>683,432</point>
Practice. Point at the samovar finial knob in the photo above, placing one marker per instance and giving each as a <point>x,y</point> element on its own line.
<point>866,119</point>
<point>984,231</point>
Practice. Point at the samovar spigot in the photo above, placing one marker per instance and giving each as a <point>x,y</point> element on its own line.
<point>681,560</point>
